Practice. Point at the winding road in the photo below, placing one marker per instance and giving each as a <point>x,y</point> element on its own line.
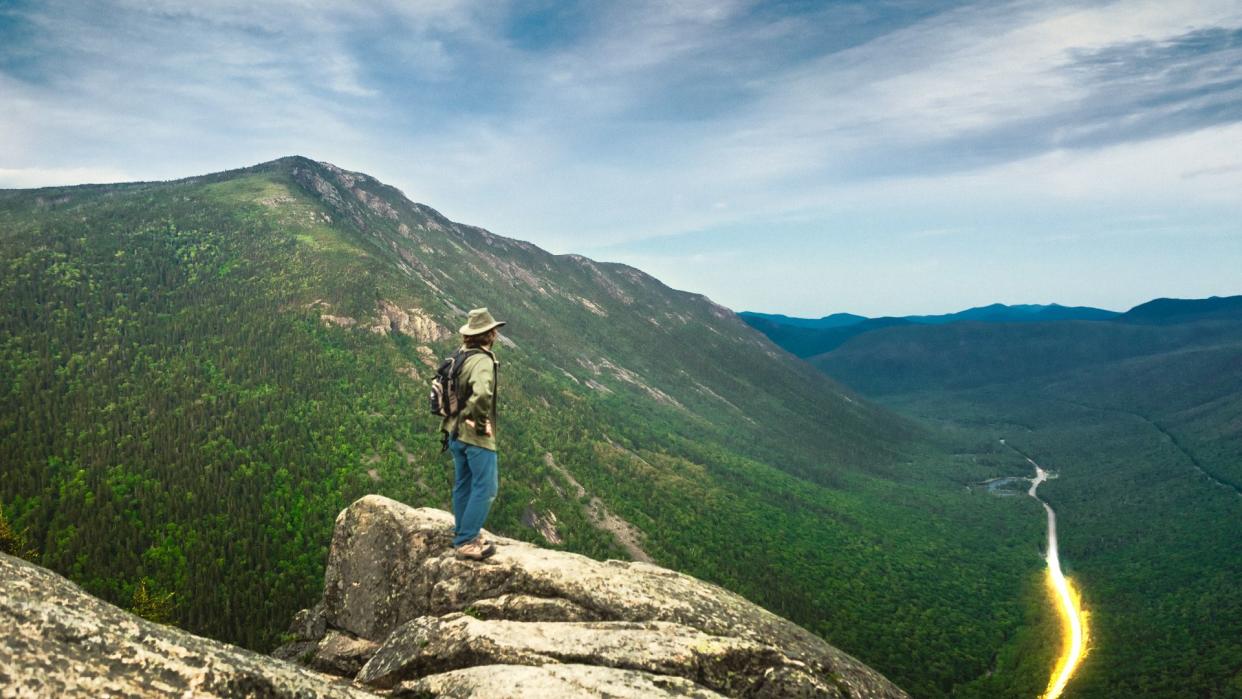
<point>1073,618</point>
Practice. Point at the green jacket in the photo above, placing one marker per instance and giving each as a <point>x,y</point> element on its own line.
<point>477,380</point>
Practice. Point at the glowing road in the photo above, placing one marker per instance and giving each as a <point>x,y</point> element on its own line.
<point>1069,605</point>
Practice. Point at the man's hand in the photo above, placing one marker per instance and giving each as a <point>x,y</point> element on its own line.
<point>487,429</point>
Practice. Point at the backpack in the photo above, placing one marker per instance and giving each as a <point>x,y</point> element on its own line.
<point>446,398</point>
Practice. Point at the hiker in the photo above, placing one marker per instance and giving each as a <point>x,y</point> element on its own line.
<point>471,436</point>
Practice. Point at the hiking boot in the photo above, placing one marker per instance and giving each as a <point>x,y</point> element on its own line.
<point>475,550</point>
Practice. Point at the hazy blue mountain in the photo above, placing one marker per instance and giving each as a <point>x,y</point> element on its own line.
<point>1022,313</point>
<point>966,354</point>
<point>804,341</point>
<point>807,337</point>
<point>1185,310</point>
<point>835,320</point>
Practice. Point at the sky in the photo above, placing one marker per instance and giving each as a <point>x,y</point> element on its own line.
<point>881,157</point>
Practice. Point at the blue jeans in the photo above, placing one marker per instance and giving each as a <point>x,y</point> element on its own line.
<point>474,488</point>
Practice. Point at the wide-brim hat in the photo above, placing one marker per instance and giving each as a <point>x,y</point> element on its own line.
<point>479,321</point>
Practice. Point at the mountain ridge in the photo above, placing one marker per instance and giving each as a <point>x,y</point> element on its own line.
<point>206,370</point>
<point>964,355</point>
<point>1171,310</point>
<point>805,337</point>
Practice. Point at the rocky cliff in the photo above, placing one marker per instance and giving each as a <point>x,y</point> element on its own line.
<point>401,616</point>
<point>58,641</point>
<point>399,612</point>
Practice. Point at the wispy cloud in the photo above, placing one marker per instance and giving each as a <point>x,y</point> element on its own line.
<point>43,177</point>
<point>587,126</point>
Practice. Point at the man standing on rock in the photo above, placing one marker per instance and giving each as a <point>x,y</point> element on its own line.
<point>472,436</point>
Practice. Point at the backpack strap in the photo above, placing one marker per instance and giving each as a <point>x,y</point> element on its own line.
<point>495,378</point>
<point>459,360</point>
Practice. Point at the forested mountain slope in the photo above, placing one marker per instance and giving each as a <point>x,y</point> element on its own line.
<point>198,375</point>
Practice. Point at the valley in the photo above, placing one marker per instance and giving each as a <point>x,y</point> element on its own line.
<point>1140,419</point>
<point>1074,633</point>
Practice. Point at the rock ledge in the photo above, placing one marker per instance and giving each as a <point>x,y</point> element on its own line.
<point>59,641</point>
<point>401,615</point>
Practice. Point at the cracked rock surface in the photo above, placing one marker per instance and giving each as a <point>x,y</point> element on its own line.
<point>524,681</point>
<point>59,641</point>
<point>535,622</point>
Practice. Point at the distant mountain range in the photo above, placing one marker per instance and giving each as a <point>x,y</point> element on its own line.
<point>1185,310</point>
<point>806,337</point>
<point>962,354</point>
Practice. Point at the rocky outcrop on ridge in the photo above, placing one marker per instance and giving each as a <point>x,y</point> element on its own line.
<point>59,641</point>
<point>413,322</point>
<point>401,615</point>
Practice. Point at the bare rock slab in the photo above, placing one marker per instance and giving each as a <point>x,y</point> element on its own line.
<point>432,645</point>
<point>530,608</point>
<point>391,564</point>
<point>342,654</point>
<point>550,682</point>
<point>59,641</point>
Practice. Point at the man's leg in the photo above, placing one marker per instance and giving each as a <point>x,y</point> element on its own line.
<point>484,483</point>
<point>461,485</point>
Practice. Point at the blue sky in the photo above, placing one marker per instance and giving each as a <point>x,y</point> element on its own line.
<point>797,157</point>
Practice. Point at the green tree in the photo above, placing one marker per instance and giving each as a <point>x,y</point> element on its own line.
<point>14,542</point>
<point>152,605</point>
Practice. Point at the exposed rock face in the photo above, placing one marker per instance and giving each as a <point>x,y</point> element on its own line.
<point>400,614</point>
<point>342,654</point>
<point>431,645</point>
<point>626,534</point>
<point>544,523</point>
<point>58,641</point>
<point>525,681</point>
<point>414,322</point>
<point>535,622</point>
<point>341,321</point>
